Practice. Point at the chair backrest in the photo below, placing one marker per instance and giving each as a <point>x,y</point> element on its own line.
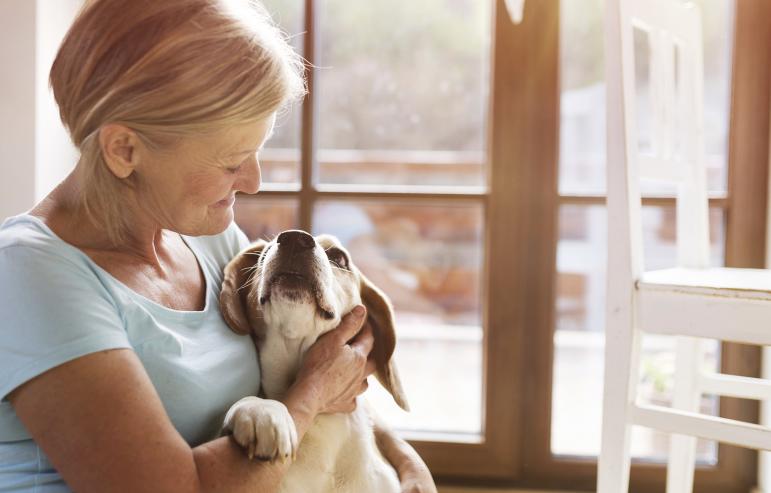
<point>673,29</point>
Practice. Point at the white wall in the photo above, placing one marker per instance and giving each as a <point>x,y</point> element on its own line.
<point>17,106</point>
<point>35,152</point>
<point>54,153</point>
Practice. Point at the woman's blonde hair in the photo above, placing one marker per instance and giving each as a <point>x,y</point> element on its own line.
<point>166,69</point>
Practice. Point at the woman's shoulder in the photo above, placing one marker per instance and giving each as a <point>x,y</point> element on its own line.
<point>26,231</point>
<point>26,240</point>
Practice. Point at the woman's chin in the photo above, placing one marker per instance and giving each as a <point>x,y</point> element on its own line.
<point>215,222</point>
<point>220,221</point>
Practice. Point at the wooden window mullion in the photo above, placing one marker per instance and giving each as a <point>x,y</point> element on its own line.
<point>308,139</point>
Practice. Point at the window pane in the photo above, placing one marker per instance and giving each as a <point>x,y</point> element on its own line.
<point>582,106</point>
<point>580,324</point>
<point>402,91</point>
<point>428,260</point>
<point>718,26</point>
<point>265,218</point>
<point>280,159</point>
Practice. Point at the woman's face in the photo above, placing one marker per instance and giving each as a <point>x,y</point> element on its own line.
<point>191,188</point>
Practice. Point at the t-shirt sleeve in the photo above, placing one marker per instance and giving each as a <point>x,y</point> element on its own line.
<point>54,309</point>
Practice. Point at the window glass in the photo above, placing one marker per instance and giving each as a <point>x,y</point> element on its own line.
<point>280,159</point>
<point>402,91</point>
<point>582,103</point>
<point>427,258</point>
<point>262,218</point>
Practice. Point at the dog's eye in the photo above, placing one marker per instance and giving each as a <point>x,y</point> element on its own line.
<point>337,257</point>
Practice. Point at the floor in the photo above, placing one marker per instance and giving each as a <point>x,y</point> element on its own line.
<point>448,489</point>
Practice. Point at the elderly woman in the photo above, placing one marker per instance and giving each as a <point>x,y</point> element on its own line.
<point>116,367</point>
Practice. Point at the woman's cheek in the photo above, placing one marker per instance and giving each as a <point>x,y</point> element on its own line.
<point>208,188</point>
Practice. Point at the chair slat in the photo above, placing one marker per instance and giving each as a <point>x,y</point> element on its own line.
<point>722,430</point>
<point>653,167</point>
<point>743,283</point>
<point>661,14</point>
<point>735,386</point>
<point>698,315</point>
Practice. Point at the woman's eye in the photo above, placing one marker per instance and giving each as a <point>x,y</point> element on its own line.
<point>237,168</point>
<point>338,258</point>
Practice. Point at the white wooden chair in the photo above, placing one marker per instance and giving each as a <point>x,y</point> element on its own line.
<point>691,301</point>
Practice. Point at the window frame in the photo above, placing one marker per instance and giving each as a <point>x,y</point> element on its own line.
<point>496,453</point>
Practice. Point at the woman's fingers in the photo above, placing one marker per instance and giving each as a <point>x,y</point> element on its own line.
<point>349,325</point>
<point>364,341</point>
<point>340,362</point>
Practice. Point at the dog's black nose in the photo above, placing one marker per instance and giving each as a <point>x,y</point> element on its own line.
<point>296,239</point>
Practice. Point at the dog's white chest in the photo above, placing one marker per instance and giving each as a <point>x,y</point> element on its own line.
<point>338,455</point>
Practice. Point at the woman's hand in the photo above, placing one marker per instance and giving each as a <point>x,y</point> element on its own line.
<point>417,481</point>
<point>336,366</point>
<point>414,476</point>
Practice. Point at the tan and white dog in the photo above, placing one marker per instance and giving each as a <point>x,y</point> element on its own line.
<point>286,293</point>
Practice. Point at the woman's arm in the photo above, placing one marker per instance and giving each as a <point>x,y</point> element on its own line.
<point>101,423</point>
<point>414,475</point>
<point>104,428</point>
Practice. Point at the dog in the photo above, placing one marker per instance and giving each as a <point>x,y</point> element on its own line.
<point>285,294</point>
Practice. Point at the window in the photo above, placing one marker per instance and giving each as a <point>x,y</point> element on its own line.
<point>460,158</point>
<point>389,152</point>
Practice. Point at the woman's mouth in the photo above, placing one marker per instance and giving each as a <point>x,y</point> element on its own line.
<point>226,202</point>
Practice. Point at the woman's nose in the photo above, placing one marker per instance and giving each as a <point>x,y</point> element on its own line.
<point>250,177</point>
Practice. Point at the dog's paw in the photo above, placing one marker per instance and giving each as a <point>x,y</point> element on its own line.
<point>264,428</point>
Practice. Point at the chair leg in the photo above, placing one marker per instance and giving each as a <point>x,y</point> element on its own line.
<point>622,361</point>
<point>682,459</point>
<point>686,396</point>
<point>764,457</point>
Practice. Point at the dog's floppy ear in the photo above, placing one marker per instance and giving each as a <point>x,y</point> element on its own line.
<point>380,316</point>
<point>234,303</point>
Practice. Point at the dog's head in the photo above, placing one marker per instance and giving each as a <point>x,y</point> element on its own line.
<point>302,286</point>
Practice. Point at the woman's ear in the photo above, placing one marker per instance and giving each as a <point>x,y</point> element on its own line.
<point>234,295</point>
<point>119,149</point>
<point>380,316</point>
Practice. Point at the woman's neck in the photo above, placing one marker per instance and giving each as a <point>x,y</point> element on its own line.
<point>63,212</point>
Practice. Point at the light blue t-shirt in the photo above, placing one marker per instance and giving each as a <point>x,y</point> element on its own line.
<point>56,304</point>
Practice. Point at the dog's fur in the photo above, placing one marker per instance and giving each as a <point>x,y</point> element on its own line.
<point>285,294</point>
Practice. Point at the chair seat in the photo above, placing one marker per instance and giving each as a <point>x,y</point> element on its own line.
<point>721,282</point>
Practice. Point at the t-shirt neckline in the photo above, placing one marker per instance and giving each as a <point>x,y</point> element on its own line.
<point>158,306</point>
